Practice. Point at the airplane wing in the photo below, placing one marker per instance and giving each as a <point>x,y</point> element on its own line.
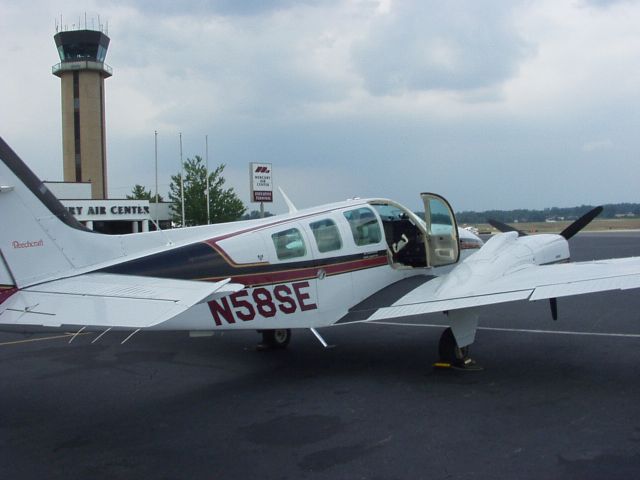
<point>461,289</point>
<point>108,300</point>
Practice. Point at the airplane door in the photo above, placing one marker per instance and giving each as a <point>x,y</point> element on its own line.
<point>442,231</point>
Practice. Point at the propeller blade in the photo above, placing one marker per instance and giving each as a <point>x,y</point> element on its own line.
<point>554,308</point>
<point>580,223</point>
<point>503,227</point>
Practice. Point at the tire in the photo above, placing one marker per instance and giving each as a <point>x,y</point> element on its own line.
<point>278,338</point>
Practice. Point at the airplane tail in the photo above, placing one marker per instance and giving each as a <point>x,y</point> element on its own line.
<point>39,238</point>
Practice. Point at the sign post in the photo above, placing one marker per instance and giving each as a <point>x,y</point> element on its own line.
<point>261,182</point>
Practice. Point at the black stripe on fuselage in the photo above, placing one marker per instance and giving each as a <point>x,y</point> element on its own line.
<point>383,298</point>
<point>191,262</point>
<point>199,261</point>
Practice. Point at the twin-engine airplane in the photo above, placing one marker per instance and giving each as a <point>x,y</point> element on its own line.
<point>360,260</point>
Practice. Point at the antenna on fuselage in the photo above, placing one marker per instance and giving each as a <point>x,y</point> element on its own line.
<point>292,208</point>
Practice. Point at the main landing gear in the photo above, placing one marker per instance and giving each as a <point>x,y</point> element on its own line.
<point>274,339</point>
<point>452,356</point>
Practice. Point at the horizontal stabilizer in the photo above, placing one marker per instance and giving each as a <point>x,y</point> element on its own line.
<point>103,300</point>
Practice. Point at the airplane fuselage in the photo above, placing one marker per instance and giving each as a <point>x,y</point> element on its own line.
<point>299,270</point>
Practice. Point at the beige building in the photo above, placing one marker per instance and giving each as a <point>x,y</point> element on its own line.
<point>82,72</point>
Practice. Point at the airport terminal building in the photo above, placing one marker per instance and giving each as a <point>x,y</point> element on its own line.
<point>113,216</point>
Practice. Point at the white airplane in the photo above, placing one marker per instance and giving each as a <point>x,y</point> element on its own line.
<point>361,260</point>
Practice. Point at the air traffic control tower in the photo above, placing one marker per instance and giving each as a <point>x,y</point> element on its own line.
<point>82,72</point>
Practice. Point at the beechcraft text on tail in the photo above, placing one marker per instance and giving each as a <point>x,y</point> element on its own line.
<point>359,260</point>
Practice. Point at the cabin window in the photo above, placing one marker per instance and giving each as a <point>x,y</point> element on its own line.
<point>289,244</point>
<point>327,235</point>
<point>364,226</point>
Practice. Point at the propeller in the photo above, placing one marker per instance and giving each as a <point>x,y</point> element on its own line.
<point>567,233</point>
<point>503,227</point>
<point>580,223</point>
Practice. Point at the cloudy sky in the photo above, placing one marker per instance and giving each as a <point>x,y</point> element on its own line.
<point>494,104</point>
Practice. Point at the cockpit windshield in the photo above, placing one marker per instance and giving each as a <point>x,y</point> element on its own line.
<point>389,212</point>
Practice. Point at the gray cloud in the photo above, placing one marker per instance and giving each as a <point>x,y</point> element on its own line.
<point>212,7</point>
<point>431,45</point>
<point>292,85</point>
<point>245,67</point>
<point>605,3</point>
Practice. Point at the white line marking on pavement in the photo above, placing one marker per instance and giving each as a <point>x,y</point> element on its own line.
<point>518,330</point>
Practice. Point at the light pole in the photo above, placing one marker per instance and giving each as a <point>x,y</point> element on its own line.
<point>182,180</point>
<point>157,209</point>
<point>206,154</point>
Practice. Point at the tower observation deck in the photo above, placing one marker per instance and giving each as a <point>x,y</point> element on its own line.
<point>82,72</point>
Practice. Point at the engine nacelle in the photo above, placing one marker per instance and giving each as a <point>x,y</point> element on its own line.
<point>506,253</point>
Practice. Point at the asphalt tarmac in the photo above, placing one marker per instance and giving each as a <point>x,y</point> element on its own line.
<point>556,399</point>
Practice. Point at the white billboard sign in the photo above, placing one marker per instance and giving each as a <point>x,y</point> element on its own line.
<point>261,182</point>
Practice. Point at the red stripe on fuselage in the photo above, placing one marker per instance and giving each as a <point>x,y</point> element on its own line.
<point>307,273</point>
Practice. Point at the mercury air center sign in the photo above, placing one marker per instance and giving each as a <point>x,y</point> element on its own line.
<point>85,210</point>
<point>261,182</point>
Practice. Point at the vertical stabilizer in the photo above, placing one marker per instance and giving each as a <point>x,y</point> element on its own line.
<point>39,238</point>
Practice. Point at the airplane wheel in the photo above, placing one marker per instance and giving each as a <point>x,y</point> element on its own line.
<point>278,338</point>
<point>448,349</point>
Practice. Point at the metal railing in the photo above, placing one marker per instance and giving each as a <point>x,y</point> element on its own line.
<point>82,65</point>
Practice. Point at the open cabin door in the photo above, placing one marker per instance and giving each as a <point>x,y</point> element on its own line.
<point>442,232</point>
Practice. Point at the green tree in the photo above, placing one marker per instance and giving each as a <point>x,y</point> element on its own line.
<point>224,204</point>
<point>141,193</point>
<point>255,214</point>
